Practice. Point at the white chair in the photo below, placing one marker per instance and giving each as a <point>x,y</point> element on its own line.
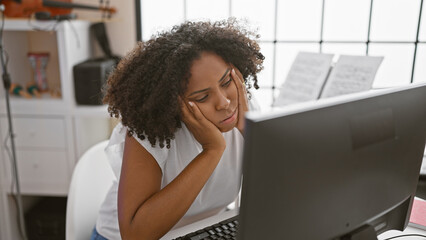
<point>91,179</point>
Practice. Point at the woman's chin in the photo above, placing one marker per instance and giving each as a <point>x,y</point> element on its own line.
<point>227,128</point>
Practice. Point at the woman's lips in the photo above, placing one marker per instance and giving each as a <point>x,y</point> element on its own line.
<point>230,118</point>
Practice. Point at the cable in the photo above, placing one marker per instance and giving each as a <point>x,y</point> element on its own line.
<point>1,36</point>
<point>75,33</point>
<point>12,181</point>
<point>6,55</point>
<point>6,81</point>
<point>51,28</point>
<point>9,153</point>
<point>406,235</point>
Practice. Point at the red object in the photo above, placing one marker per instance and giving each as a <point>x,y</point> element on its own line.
<point>58,7</point>
<point>39,62</point>
<point>418,213</point>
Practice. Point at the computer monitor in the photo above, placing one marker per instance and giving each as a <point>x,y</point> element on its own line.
<point>339,168</point>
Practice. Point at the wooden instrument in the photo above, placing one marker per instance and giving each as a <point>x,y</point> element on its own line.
<point>24,8</point>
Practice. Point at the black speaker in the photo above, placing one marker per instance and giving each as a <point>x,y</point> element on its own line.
<point>89,78</point>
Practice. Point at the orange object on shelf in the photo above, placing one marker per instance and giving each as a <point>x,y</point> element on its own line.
<point>25,8</point>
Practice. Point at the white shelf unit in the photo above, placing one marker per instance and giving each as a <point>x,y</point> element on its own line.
<point>50,132</point>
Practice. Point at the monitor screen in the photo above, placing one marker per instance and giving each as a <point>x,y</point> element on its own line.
<point>339,167</point>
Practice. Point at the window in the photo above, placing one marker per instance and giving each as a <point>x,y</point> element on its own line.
<point>394,29</point>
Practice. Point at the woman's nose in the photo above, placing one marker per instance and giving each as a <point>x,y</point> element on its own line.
<point>223,103</point>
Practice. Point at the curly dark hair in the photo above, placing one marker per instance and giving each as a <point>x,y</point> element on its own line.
<point>144,88</point>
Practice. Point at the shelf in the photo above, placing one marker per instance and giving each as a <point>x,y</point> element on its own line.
<point>24,24</point>
<point>34,106</point>
<point>91,111</point>
<point>51,106</point>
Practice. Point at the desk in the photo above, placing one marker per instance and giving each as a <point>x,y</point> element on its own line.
<point>220,217</point>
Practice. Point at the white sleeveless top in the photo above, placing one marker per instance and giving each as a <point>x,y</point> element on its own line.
<point>219,191</point>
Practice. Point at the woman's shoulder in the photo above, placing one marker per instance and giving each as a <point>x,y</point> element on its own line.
<point>119,134</point>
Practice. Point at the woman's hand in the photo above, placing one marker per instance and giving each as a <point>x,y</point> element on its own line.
<point>204,131</point>
<point>242,98</point>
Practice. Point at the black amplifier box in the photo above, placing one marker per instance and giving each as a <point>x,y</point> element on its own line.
<point>89,78</point>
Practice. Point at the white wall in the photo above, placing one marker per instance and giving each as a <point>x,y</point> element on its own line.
<point>121,28</point>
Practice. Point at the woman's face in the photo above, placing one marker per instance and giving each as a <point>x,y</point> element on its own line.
<point>212,89</point>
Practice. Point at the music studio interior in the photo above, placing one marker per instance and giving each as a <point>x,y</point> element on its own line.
<point>56,56</point>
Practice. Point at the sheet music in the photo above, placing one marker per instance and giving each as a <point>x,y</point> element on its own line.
<point>305,78</point>
<point>351,74</point>
<point>423,167</point>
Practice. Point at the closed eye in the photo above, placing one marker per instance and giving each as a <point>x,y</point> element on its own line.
<point>227,83</point>
<point>202,99</point>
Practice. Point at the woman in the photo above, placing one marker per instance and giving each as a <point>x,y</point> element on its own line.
<point>181,97</point>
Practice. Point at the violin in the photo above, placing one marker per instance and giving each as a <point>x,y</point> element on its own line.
<point>25,8</point>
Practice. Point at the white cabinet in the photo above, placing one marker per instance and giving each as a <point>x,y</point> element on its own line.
<point>51,132</point>
<point>41,154</point>
<point>37,132</point>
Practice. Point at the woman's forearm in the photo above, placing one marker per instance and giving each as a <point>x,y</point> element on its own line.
<point>160,212</point>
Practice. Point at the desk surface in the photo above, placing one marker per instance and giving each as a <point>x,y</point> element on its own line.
<point>220,217</point>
